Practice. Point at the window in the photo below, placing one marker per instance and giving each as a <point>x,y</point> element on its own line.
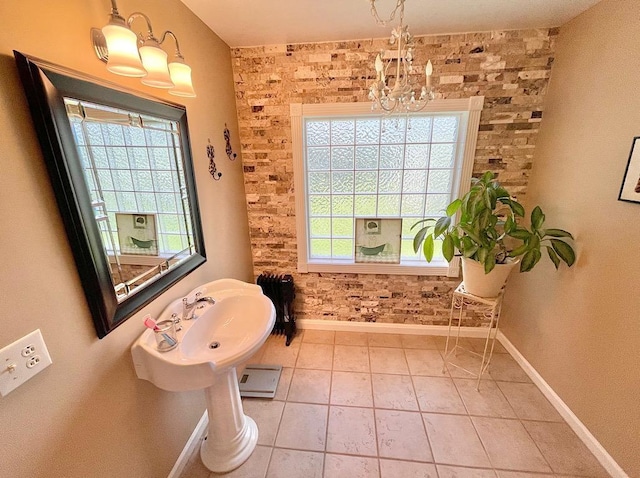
<point>353,164</point>
<point>133,164</point>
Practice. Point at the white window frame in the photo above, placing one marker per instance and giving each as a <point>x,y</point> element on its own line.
<point>299,112</point>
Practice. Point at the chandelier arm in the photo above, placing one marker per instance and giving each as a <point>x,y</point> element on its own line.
<point>387,109</point>
<point>398,61</point>
<point>392,16</point>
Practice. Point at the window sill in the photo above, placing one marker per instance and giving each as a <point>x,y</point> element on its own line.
<point>348,267</point>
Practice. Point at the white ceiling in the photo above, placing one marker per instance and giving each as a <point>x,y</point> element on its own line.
<point>268,22</point>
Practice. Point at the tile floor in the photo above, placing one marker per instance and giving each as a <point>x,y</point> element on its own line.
<point>357,405</point>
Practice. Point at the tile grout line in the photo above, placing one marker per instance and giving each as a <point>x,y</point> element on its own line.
<point>538,448</point>
<point>326,431</point>
<point>373,408</point>
<point>424,425</point>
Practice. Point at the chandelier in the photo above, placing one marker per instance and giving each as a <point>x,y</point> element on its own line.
<point>403,96</point>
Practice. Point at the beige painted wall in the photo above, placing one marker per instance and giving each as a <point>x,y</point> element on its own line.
<point>579,328</point>
<point>88,414</point>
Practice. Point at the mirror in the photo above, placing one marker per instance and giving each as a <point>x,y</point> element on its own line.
<point>121,169</point>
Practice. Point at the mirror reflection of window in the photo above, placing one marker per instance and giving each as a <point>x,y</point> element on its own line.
<point>134,172</point>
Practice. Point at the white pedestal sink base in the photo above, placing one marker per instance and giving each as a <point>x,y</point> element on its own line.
<point>232,436</point>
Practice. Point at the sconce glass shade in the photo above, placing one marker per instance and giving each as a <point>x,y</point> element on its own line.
<point>181,77</point>
<point>154,60</point>
<point>122,44</point>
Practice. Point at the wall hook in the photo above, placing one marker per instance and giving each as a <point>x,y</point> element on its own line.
<point>211,154</point>
<point>227,137</point>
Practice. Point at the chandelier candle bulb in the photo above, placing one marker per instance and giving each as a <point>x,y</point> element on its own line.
<point>428,72</point>
<point>379,68</point>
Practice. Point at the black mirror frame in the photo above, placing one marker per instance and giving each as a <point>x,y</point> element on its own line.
<point>45,86</point>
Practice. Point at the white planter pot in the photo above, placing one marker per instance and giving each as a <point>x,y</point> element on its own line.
<point>478,283</point>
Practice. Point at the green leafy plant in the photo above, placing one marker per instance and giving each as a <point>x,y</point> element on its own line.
<point>489,230</point>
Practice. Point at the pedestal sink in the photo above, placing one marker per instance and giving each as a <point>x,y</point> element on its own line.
<point>223,335</point>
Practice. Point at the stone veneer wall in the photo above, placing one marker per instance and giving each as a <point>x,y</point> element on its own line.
<point>510,68</point>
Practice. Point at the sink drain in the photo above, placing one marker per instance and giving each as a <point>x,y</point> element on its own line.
<point>214,345</point>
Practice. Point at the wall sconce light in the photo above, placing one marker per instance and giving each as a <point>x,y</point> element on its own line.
<point>128,54</point>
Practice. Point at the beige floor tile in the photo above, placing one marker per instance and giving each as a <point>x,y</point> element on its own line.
<point>440,341</point>
<point>295,464</point>
<point>283,384</point>
<point>406,469</point>
<point>266,413</point>
<point>564,451</point>
<point>447,471</point>
<point>311,386</point>
<point>257,357</point>
<point>477,345</point>
<point>340,466</point>
<point>351,388</point>
<point>351,338</point>
<point>509,446</point>
<point>425,362</point>
<point>394,391</point>
<point>315,356</point>
<point>454,440</point>
<point>349,358</point>
<point>468,361</point>
<point>353,377</point>
<point>424,342</point>
<point>318,336</point>
<point>488,401</point>
<point>401,435</point>
<point>388,360</point>
<point>352,431</point>
<point>303,426</point>
<point>503,367</point>
<point>254,467</point>
<point>279,354</point>
<point>528,402</point>
<point>384,340</point>
<point>436,394</point>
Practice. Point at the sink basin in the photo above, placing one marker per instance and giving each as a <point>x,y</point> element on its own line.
<point>240,321</point>
<point>210,346</point>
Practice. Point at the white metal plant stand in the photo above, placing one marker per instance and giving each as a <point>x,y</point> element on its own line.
<point>493,304</point>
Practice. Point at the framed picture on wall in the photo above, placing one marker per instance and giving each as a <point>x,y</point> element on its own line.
<point>137,234</point>
<point>630,190</point>
<point>378,240</point>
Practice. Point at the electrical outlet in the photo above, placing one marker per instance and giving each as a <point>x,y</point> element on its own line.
<point>22,360</point>
<point>33,361</point>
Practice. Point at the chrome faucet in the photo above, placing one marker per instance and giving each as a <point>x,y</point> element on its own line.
<point>188,309</point>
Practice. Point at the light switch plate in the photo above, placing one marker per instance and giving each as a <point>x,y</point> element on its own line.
<point>22,360</point>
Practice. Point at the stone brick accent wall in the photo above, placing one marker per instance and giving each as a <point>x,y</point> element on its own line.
<point>510,68</point>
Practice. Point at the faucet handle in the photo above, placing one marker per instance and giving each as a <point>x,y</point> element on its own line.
<point>198,295</point>
<point>176,321</point>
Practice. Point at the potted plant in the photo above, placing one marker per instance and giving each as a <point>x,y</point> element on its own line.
<point>487,233</point>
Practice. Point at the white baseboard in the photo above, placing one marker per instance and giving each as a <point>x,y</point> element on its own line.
<point>190,447</point>
<point>386,328</point>
<point>563,409</point>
